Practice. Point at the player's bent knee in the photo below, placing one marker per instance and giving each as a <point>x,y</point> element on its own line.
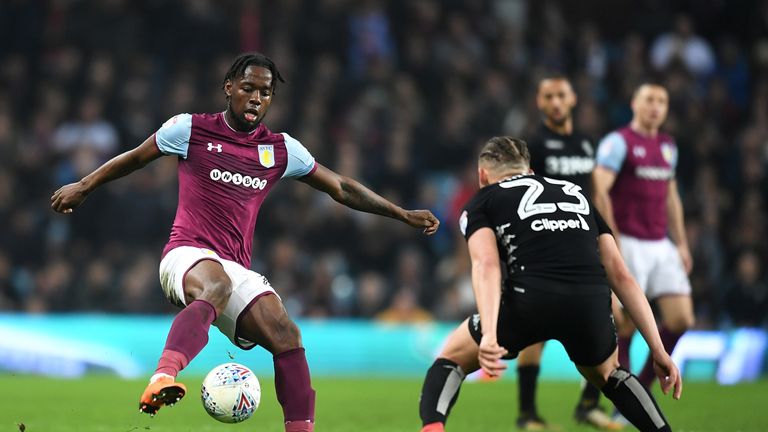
<point>285,335</point>
<point>467,359</point>
<point>218,291</point>
<point>211,287</point>
<point>596,375</point>
<point>461,348</point>
<point>595,378</point>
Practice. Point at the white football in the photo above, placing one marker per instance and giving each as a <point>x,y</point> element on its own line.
<point>231,393</point>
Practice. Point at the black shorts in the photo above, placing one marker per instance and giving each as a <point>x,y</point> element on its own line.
<point>582,323</point>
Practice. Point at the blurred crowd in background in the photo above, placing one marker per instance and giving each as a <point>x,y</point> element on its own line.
<point>398,94</point>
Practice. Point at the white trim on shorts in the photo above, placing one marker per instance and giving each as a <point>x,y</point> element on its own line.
<point>247,286</point>
<point>657,266</point>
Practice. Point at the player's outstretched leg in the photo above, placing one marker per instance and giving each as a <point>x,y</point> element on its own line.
<point>439,393</point>
<point>443,381</point>
<point>267,323</point>
<point>207,290</point>
<point>162,390</point>
<point>187,337</point>
<point>527,375</point>
<point>633,400</point>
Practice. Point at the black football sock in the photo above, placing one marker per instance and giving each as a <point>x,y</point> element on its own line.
<point>440,391</point>
<point>526,388</point>
<point>590,395</point>
<point>635,402</point>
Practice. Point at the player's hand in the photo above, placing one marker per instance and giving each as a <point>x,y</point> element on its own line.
<point>422,219</point>
<point>668,374</point>
<point>490,355</point>
<point>685,255</point>
<point>68,197</point>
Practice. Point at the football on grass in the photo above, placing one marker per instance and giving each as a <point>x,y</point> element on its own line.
<point>231,393</point>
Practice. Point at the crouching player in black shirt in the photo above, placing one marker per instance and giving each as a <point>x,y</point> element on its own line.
<point>559,151</point>
<point>557,259</point>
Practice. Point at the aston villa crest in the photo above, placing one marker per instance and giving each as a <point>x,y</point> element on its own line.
<point>668,152</point>
<point>267,155</point>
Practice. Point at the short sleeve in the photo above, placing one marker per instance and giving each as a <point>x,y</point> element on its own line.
<point>473,218</point>
<point>300,161</point>
<point>173,136</point>
<point>611,151</point>
<point>602,226</point>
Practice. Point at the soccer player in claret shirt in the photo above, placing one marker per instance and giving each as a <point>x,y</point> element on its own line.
<point>561,152</point>
<point>228,163</point>
<point>636,191</point>
<point>560,259</point>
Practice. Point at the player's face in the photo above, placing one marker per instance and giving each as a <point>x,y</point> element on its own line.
<point>650,105</point>
<point>555,100</point>
<point>250,96</point>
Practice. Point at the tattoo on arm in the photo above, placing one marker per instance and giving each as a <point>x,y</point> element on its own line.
<point>355,195</point>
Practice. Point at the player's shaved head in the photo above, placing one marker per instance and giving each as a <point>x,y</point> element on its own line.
<point>505,154</point>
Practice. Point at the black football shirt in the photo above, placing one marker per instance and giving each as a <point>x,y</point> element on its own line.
<point>567,157</point>
<point>546,232</point>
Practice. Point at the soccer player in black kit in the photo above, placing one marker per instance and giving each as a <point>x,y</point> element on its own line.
<point>561,152</point>
<point>542,263</point>
<point>557,149</point>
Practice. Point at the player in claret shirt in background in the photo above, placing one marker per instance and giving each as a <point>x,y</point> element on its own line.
<point>561,152</point>
<point>228,163</point>
<point>636,192</point>
<point>558,258</point>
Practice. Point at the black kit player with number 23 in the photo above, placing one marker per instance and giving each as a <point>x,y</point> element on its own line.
<point>560,151</point>
<point>553,256</point>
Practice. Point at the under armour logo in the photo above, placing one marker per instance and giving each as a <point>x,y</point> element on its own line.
<point>217,147</point>
<point>638,151</point>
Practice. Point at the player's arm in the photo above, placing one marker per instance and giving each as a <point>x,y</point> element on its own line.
<point>626,288</point>
<point>677,225</point>
<point>486,283</point>
<point>602,182</point>
<point>68,197</point>
<point>354,195</point>
<point>611,153</point>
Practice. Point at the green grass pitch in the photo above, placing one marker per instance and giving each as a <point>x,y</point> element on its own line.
<point>101,403</point>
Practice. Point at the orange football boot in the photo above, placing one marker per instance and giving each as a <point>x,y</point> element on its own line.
<point>162,391</point>
<point>434,427</point>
